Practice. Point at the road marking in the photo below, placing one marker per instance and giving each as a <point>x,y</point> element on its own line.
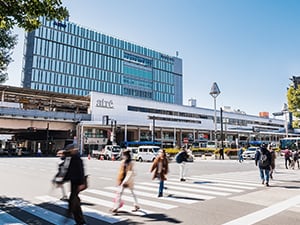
<point>257,216</point>
<point>41,212</point>
<point>176,193</point>
<point>98,201</point>
<point>130,199</point>
<point>7,219</point>
<point>222,180</point>
<point>195,185</point>
<point>152,195</point>
<point>96,214</point>
<point>192,190</point>
<point>210,183</point>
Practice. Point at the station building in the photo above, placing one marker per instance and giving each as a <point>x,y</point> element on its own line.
<point>121,119</point>
<point>135,92</point>
<point>67,58</point>
<point>102,118</point>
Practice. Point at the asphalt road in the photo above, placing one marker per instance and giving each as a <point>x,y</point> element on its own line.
<point>216,192</point>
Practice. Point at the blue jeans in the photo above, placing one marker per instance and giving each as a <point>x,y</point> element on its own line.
<point>264,174</point>
<point>161,186</point>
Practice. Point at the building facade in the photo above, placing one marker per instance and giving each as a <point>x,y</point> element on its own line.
<point>122,119</point>
<point>67,58</point>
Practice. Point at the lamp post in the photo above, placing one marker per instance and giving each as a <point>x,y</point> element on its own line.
<point>214,92</point>
<point>285,110</point>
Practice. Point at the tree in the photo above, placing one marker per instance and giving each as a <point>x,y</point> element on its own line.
<point>293,97</point>
<point>7,42</point>
<point>24,14</point>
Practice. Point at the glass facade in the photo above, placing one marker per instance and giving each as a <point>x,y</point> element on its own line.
<point>67,58</point>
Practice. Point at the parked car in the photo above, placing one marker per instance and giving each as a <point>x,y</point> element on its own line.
<point>250,153</point>
<point>147,153</point>
<point>109,152</point>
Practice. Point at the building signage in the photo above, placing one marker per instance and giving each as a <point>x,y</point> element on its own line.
<point>102,103</point>
<point>59,24</point>
<point>166,57</point>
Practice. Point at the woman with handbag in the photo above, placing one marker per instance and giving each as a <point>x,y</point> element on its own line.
<point>125,179</point>
<point>160,168</point>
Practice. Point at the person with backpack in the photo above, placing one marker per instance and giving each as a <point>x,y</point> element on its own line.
<point>273,158</point>
<point>181,159</point>
<point>263,159</point>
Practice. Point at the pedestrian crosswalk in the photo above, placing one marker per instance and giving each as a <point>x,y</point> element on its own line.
<point>96,202</point>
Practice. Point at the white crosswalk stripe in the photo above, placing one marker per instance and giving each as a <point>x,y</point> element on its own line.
<point>184,189</point>
<point>151,195</point>
<point>194,190</point>
<point>130,199</point>
<point>41,212</point>
<point>86,210</point>
<point>6,218</point>
<point>235,190</point>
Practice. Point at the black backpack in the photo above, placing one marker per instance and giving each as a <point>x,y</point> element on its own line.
<point>179,157</point>
<point>263,161</point>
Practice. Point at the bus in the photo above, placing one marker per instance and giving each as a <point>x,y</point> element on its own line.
<point>126,144</point>
<point>291,143</point>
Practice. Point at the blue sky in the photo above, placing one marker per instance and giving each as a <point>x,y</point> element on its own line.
<point>249,47</point>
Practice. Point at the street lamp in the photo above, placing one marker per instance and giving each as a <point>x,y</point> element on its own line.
<point>214,92</point>
<point>285,110</point>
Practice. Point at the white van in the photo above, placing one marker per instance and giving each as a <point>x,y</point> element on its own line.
<point>134,152</point>
<point>147,153</point>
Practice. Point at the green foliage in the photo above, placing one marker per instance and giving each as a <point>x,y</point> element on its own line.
<point>25,14</point>
<point>293,97</point>
<point>7,42</point>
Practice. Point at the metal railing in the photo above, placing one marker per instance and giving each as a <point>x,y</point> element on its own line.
<point>31,113</point>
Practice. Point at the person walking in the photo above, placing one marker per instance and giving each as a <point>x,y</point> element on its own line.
<point>125,179</point>
<point>287,158</point>
<point>221,152</point>
<point>273,158</point>
<point>58,179</point>
<point>181,159</point>
<point>263,160</point>
<point>75,175</point>
<point>240,155</point>
<point>160,167</point>
<point>295,158</point>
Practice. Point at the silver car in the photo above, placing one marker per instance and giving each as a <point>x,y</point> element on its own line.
<point>250,153</point>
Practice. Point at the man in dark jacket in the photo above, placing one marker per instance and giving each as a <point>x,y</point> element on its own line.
<point>75,175</point>
<point>263,158</point>
<point>181,159</point>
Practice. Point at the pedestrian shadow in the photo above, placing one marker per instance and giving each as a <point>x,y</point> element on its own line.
<point>186,198</point>
<point>286,186</point>
<point>203,182</point>
<point>13,207</point>
<point>160,217</point>
<point>153,217</point>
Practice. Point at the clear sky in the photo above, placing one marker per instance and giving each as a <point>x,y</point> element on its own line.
<point>249,47</point>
